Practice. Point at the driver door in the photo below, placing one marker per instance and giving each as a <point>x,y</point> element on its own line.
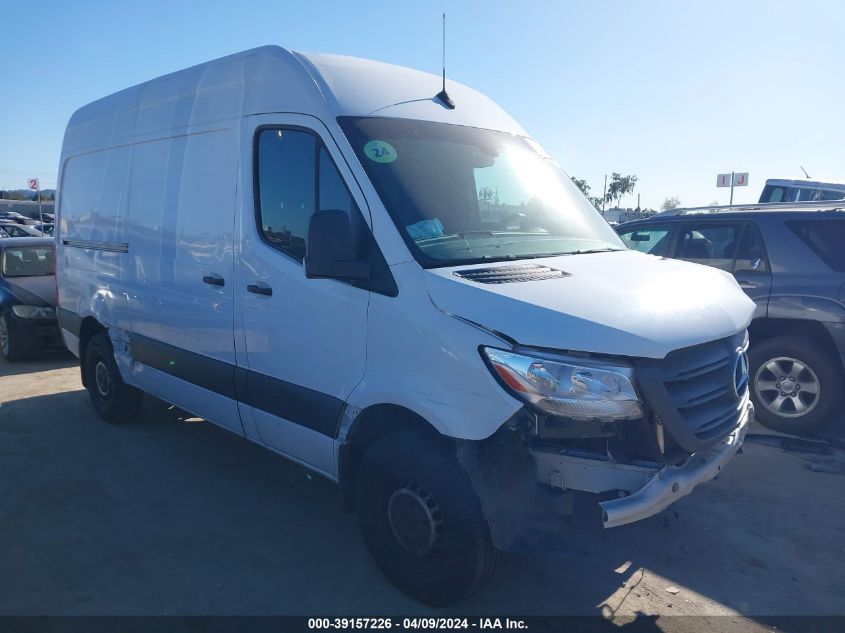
<point>302,342</point>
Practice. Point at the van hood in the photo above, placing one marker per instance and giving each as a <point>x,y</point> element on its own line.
<point>36,291</point>
<point>622,303</point>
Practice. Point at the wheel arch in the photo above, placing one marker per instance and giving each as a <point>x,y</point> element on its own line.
<point>89,327</point>
<point>369,426</point>
<point>764,329</point>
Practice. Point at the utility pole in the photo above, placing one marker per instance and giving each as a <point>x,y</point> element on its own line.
<point>40,214</point>
<point>604,195</point>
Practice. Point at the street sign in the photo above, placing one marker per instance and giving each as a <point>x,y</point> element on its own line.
<point>732,180</point>
<point>33,185</point>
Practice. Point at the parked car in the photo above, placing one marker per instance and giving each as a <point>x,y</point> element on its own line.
<point>801,190</point>
<point>296,278</point>
<point>3,233</point>
<point>13,216</point>
<point>27,297</point>
<point>20,230</point>
<point>45,229</point>
<point>790,259</point>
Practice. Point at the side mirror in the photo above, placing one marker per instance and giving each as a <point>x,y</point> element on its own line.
<point>332,250</point>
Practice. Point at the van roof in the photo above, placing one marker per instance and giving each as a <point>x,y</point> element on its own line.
<point>273,79</point>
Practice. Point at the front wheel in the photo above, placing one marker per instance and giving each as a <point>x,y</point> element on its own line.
<point>422,521</point>
<point>8,342</point>
<point>796,385</point>
<point>114,400</point>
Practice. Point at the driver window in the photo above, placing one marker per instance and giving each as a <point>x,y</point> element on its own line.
<point>711,245</point>
<point>296,176</point>
<point>286,188</point>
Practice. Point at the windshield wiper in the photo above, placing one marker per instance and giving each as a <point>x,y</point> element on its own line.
<point>482,233</point>
<point>593,250</point>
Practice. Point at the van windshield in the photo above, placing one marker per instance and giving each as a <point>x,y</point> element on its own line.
<point>462,195</point>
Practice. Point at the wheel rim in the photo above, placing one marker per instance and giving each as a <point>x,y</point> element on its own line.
<point>102,378</point>
<point>4,335</point>
<point>415,519</point>
<point>787,387</point>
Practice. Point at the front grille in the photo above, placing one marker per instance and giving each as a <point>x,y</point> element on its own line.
<point>510,274</point>
<point>700,383</point>
<point>692,391</point>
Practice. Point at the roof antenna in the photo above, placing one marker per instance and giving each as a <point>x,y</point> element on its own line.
<point>805,172</point>
<point>444,97</point>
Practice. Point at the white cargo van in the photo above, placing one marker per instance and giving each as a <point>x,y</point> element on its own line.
<point>399,291</point>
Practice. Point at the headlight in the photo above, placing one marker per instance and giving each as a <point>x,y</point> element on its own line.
<point>568,387</point>
<point>33,312</point>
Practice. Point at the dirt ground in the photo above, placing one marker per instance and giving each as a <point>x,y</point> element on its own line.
<point>171,515</point>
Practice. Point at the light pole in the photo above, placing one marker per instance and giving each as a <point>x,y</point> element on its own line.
<point>604,195</point>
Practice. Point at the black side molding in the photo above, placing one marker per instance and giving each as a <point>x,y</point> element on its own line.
<point>69,320</point>
<point>202,371</point>
<point>309,408</point>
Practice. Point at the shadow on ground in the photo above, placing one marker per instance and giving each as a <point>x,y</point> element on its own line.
<point>172,515</point>
<point>41,362</point>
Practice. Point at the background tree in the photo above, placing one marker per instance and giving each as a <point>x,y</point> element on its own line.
<point>582,185</point>
<point>14,195</point>
<point>620,186</point>
<point>597,201</point>
<point>670,203</point>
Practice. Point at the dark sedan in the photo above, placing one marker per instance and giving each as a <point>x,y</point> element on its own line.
<point>27,297</point>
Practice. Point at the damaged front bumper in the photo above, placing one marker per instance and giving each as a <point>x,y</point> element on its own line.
<point>650,488</point>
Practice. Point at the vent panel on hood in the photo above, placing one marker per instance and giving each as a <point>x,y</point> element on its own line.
<point>511,274</point>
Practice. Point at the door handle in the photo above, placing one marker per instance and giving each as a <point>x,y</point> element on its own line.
<point>214,280</point>
<point>747,285</point>
<point>262,289</point>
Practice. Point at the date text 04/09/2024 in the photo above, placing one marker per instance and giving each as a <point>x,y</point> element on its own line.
<point>416,623</point>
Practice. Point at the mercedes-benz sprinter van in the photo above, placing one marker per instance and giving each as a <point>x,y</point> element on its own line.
<point>397,288</point>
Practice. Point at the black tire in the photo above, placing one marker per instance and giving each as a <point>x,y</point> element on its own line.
<point>447,552</point>
<point>114,400</point>
<point>824,370</point>
<point>8,341</point>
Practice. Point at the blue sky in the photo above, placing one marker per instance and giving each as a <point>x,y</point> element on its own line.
<point>674,92</point>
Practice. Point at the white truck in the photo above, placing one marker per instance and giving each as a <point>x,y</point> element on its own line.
<point>397,288</point>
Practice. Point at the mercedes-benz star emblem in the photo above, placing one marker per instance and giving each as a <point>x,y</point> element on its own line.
<point>740,373</point>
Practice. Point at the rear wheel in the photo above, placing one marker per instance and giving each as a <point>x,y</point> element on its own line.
<point>114,400</point>
<point>796,385</point>
<point>422,521</point>
<point>8,343</point>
